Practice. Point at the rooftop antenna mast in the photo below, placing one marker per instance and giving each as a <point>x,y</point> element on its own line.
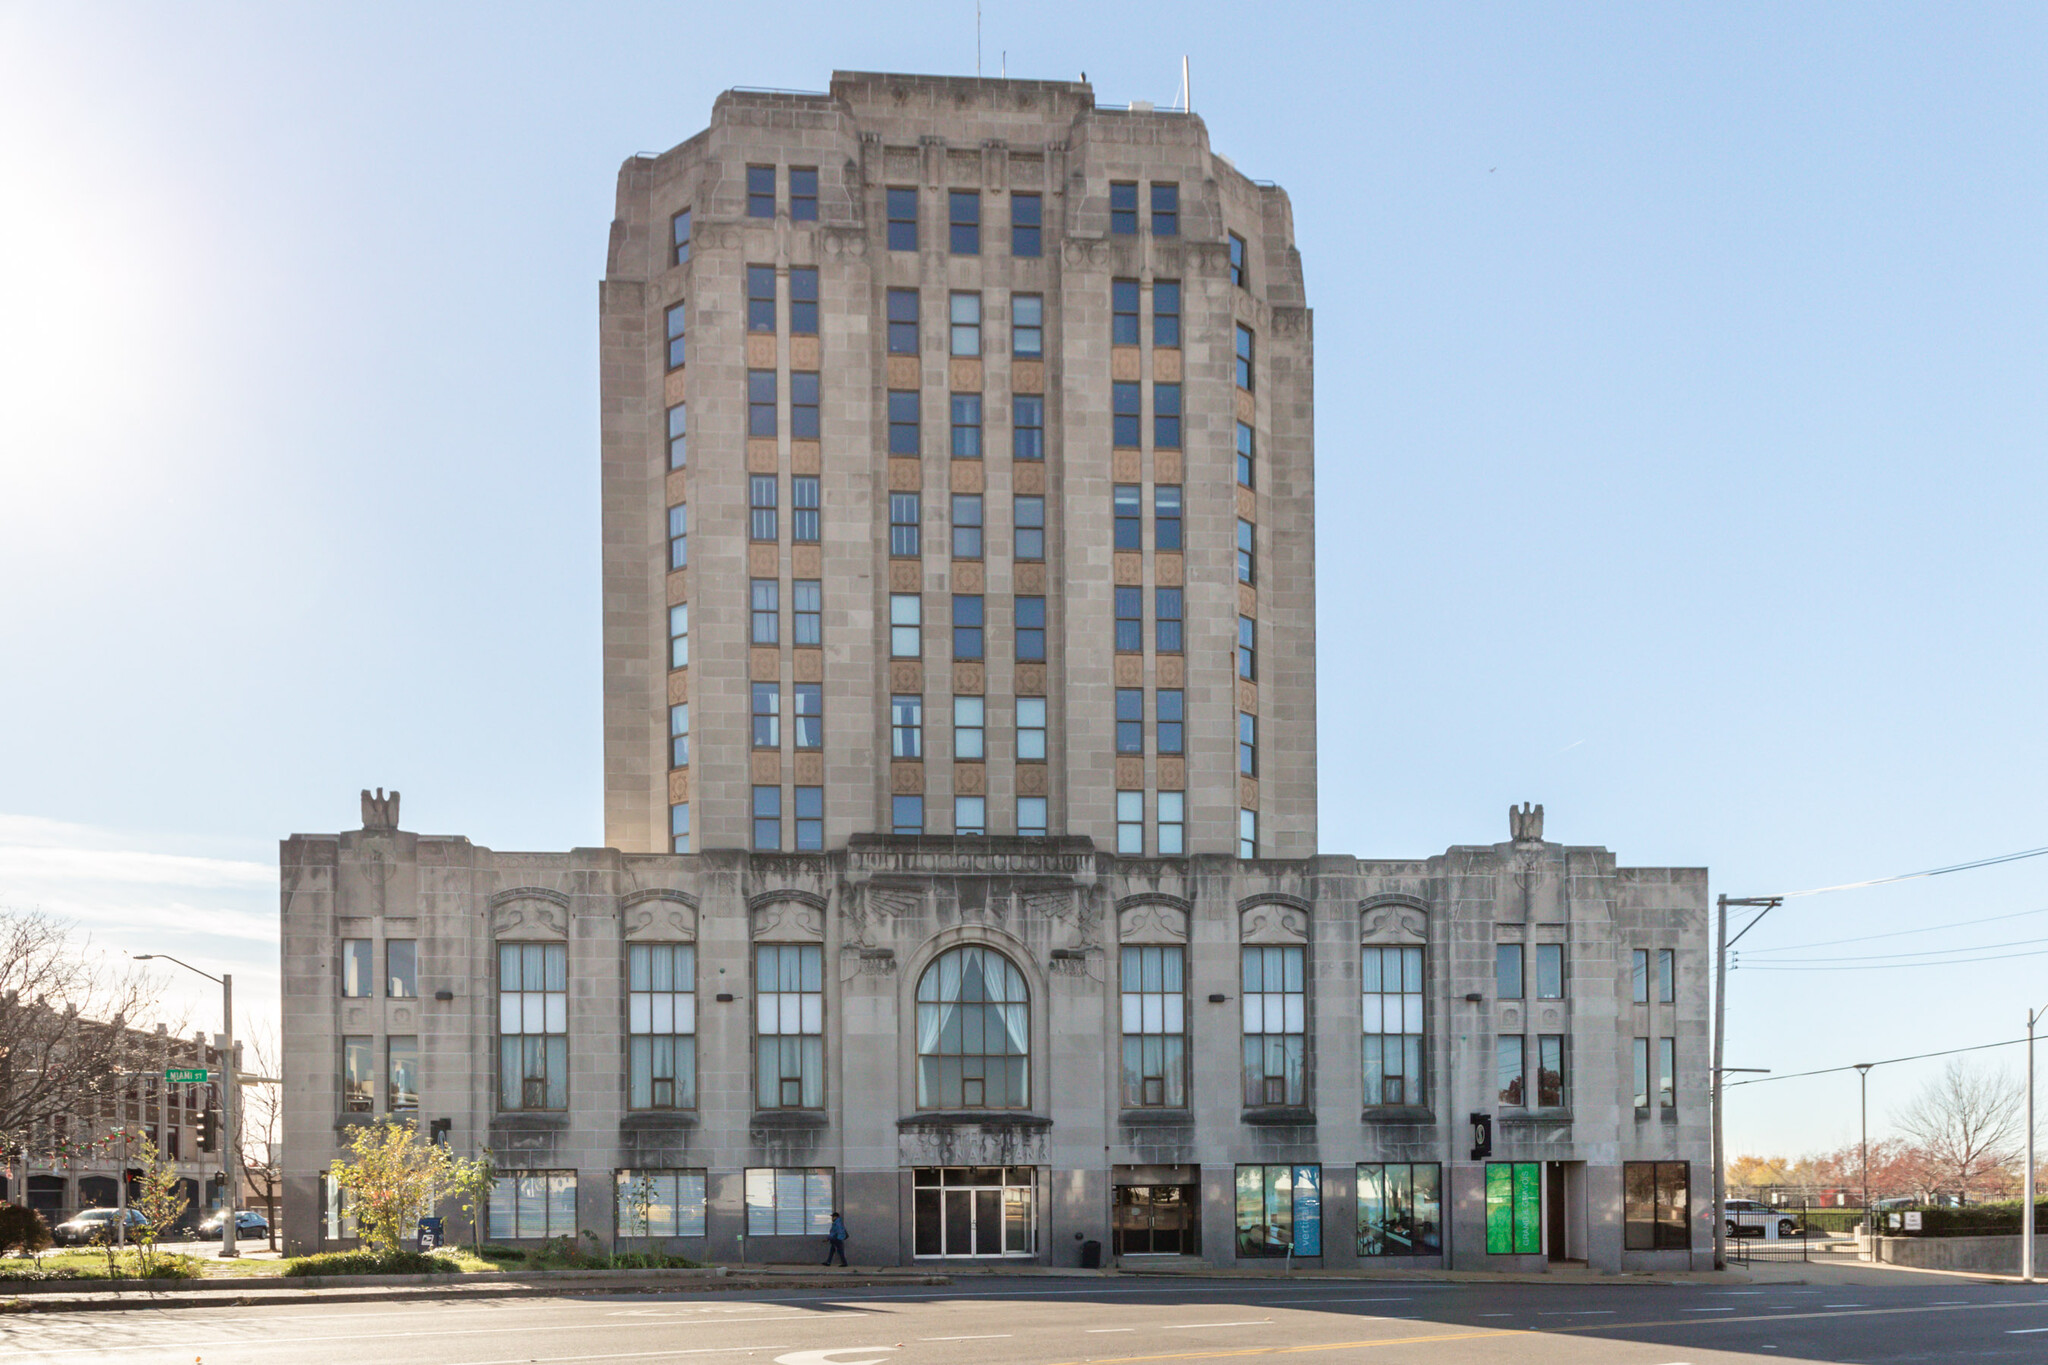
<point>1187,94</point>
<point>977,39</point>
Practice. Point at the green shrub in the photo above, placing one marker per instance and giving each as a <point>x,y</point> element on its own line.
<point>168,1265</point>
<point>491,1251</point>
<point>1972,1220</point>
<point>23,1230</point>
<point>373,1263</point>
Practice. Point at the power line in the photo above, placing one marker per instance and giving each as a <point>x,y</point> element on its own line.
<point>1916,1057</point>
<point>1931,953</point>
<point>1899,933</point>
<point>1913,876</point>
<point>1892,966</point>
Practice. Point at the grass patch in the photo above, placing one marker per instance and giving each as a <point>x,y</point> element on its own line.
<point>92,1265</point>
<point>366,1262</point>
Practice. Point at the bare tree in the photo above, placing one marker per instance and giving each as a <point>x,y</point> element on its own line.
<point>1969,1124</point>
<point>257,1132</point>
<point>66,1027</point>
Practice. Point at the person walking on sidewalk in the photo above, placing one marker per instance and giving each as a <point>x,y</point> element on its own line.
<point>835,1240</point>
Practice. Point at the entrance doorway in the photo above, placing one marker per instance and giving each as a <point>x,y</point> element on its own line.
<point>1564,1210</point>
<point>1158,1211</point>
<point>980,1212</point>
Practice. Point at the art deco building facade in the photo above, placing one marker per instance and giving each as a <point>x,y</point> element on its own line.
<point>960,775</point>
<point>958,478</point>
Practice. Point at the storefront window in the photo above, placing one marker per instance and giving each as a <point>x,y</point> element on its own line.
<point>1514,1208</point>
<point>1400,1209</point>
<point>1279,1208</point>
<point>975,1211</point>
<point>1655,1206</point>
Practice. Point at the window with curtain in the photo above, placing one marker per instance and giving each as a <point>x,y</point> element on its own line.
<point>529,1205</point>
<point>1275,1025</point>
<point>973,1032</point>
<point>533,1026</point>
<point>789,1044</point>
<point>654,1203</point>
<point>1154,1002</point>
<point>1391,984</point>
<point>661,1024</point>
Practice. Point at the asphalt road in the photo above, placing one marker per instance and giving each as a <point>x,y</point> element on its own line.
<point>1050,1321</point>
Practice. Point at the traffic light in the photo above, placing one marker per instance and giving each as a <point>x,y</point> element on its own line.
<point>209,1130</point>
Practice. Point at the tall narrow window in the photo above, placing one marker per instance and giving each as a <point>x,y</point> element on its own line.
<point>789,1042</point>
<point>1247,552</point>
<point>1130,824</point>
<point>1171,706</point>
<point>679,735</point>
<point>679,237</point>
<point>1247,648</point>
<point>903,422</point>
<point>963,219</point>
<point>679,536</point>
<point>1244,357</point>
<point>1127,508</point>
<point>906,814</point>
<point>767,710</point>
<point>1030,629</point>
<point>679,827</point>
<point>1027,326</point>
<point>1640,1058</point>
<point>1166,516</point>
<point>402,1073</point>
<point>803,194</point>
<point>1031,730</point>
<point>760,191</point>
<point>803,405</point>
<point>677,337</point>
<point>1275,1026</point>
<point>1667,976</point>
<point>1247,459</point>
<point>1237,260</point>
<point>766,598</point>
<point>803,300</point>
<point>768,819</point>
<point>401,968</point>
<point>970,815</point>
<point>1550,971</point>
<point>1123,312</point>
<point>1123,207</point>
<point>1166,416</point>
<point>967,626</point>
<point>1167,619</point>
<point>1030,535</point>
<point>906,726</point>
<point>902,210</point>
<point>1031,817</point>
<point>1247,744</point>
<point>1667,1073</point>
<point>973,1032</point>
<point>1027,427</point>
<point>679,436</point>
<point>1550,1078</point>
<point>903,322</point>
<point>969,728</point>
<point>1153,986</point>
<point>661,1026</point>
<point>760,298</point>
<point>533,1026</point>
<point>1507,971</point>
<point>906,619</point>
<point>810,819</point>
<point>1639,976</point>
<point>358,1075</point>
<point>807,611</point>
<point>1391,982</point>
<point>967,526</point>
<point>807,714</point>
<point>1130,620</point>
<point>965,312</point>
<point>1027,219</point>
<point>803,505</point>
<point>1172,824</point>
<point>679,635</point>
<point>1166,314</point>
<point>1509,1079</point>
<point>1514,1208</point>
<point>966,426</point>
<point>358,968</point>
<point>762,499</point>
<point>1247,834</point>
<point>1130,720</point>
<point>903,525</point>
<point>761,418</point>
<point>1165,209</point>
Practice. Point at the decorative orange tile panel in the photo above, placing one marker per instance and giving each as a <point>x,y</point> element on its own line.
<point>1170,670</point>
<point>906,675</point>
<point>905,372</point>
<point>1247,503</point>
<point>762,455</point>
<point>673,389</point>
<point>1248,793</point>
<point>904,575</point>
<point>1028,476</point>
<point>1130,670</point>
<point>760,350</point>
<point>1130,773</point>
<point>968,576</point>
<point>764,559</point>
<point>1029,578</point>
<point>1130,568</point>
<point>806,561</point>
<point>810,769</point>
<point>808,665</point>
<point>1166,365</point>
<point>1030,680</point>
<point>1124,363</point>
<point>1247,696</point>
<point>906,777</point>
<point>1027,376</point>
<point>764,663</point>
<point>1031,779</point>
<point>678,586</point>
<point>1247,600</point>
<point>766,768</point>
<point>1168,466</point>
<point>970,779</point>
<point>678,785</point>
<point>1169,569</point>
<point>1173,773</point>
<point>678,487</point>
<point>804,352</point>
<point>1246,410</point>
<point>970,679</point>
<point>1126,466</point>
<point>964,374</point>
<point>678,686</point>
<point>905,475</point>
<point>805,457</point>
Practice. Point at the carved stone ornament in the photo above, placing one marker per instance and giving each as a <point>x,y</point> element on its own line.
<point>872,912</point>
<point>788,916</point>
<point>1272,919</point>
<point>1392,922</point>
<point>1525,826</point>
<point>667,916</point>
<point>1152,919</point>
<point>380,811</point>
<point>1072,911</point>
<point>528,910</point>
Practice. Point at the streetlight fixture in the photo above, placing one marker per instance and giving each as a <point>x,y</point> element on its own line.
<point>2027,1204</point>
<point>1863,1103</point>
<point>229,1094</point>
<point>1766,904</point>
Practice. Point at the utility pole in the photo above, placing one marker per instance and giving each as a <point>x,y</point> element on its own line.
<point>2027,1203</point>
<point>230,1092</point>
<point>1863,1087</point>
<point>1720,1077</point>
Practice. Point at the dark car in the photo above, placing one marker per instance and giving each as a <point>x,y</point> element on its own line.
<point>248,1223</point>
<point>95,1225</point>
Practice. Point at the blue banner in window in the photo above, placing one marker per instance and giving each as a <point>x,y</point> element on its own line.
<point>1308,1210</point>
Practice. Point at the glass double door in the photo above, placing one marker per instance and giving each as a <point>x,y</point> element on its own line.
<point>974,1211</point>
<point>1158,1220</point>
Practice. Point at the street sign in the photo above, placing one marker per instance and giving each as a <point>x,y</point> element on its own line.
<point>192,1075</point>
<point>1913,1220</point>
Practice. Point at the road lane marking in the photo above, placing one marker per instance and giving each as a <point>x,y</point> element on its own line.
<point>1226,1354</point>
<point>625,1355</point>
<point>1845,1305</point>
<point>2025,1331</point>
<point>986,1336</point>
<point>1346,1298</point>
<point>1094,1331</point>
<point>1581,1312</point>
<point>1186,1326</point>
<point>1706,1310</point>
<point>825,1357</point>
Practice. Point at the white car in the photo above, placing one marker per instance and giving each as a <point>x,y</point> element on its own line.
<point>1748,1218</point>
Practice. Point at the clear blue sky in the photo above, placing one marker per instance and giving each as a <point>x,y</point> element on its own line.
<point>1680,432</point>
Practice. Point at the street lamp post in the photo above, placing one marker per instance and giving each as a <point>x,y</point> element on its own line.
<point>2027,1204</point>
<point>229,1094</point>
<point>1863,1088</point>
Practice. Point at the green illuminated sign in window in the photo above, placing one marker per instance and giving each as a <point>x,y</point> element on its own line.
<point>1514,1208</point>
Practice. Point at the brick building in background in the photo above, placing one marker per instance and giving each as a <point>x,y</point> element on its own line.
<point>960,772</point>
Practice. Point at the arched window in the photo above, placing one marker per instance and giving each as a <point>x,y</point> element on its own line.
<point>973,1033</point>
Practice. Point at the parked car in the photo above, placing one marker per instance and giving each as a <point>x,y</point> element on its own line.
<point>91,1225</point>
<point>248,1223</point>
<point>1748,1218</point>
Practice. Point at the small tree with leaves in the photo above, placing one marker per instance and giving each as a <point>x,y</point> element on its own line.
<point>394,1179</point>
<point>160,1198</point>
<point>23,1230</point>
<point>471,1183</point>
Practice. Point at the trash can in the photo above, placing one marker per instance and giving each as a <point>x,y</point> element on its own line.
<point>1091,1255</point>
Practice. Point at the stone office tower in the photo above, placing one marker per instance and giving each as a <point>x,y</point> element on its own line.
<point>958,478</point>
